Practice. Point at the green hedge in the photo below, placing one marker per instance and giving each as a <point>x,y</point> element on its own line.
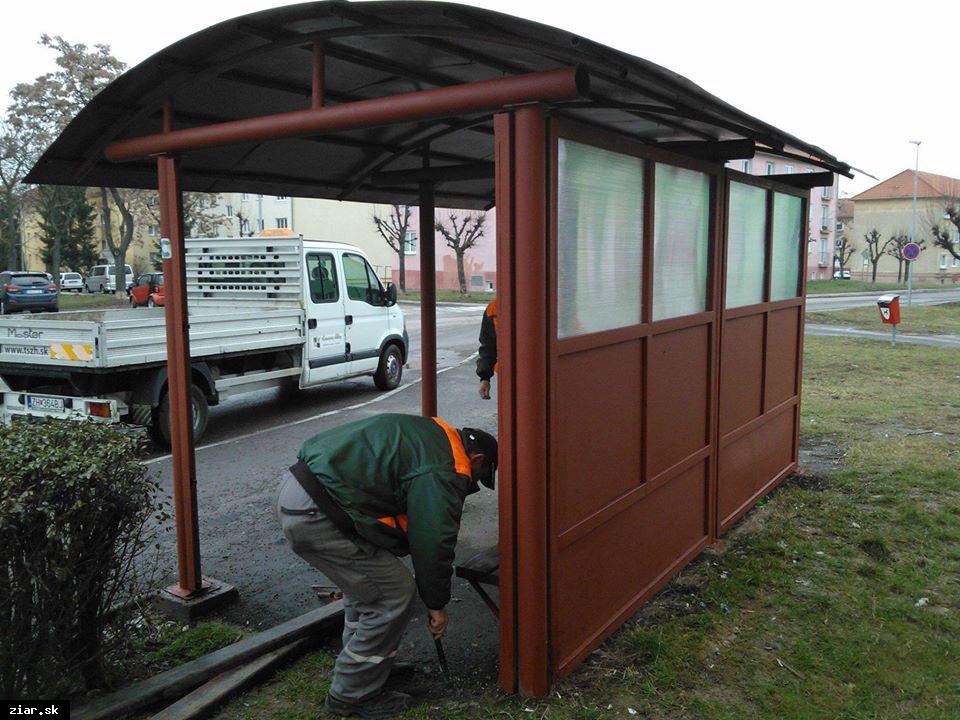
<point>77,508</point>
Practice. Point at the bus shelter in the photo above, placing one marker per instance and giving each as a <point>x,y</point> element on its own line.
<point>651,299</point>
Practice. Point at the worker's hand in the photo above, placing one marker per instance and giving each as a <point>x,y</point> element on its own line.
<point>485,389</point>
<point>438,622</point>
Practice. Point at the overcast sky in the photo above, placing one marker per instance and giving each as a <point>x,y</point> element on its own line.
<point>856,78</point>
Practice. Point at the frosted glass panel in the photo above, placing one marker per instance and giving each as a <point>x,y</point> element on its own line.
<point>600,231</point>
<point>681,230</point>
<point>746,223</point>
<point>785,258</point>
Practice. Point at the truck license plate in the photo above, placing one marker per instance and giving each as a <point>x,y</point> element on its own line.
<point>44,403</point>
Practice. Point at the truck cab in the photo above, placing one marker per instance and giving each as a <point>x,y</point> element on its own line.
<point>354,326</point>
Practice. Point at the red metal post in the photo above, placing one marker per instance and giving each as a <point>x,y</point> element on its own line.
<point>428,302</point>
<point>178,379</point>
<point>531,390</point>
<point>506,401</point>
<point>456,100</point>
<point>318,66</point>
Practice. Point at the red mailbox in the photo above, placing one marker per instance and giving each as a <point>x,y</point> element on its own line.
<point>889,306</point>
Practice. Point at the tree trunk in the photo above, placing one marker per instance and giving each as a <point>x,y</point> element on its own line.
<point>461,275</point>
<point>402,262</point>
<point>874,278</point>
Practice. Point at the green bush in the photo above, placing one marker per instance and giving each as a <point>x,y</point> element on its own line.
<point>76,510</point>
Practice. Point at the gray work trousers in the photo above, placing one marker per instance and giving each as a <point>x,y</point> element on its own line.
<point>378,592</point>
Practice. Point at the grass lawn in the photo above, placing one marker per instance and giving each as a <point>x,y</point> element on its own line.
<point>84,301</point>
<point>837,598</point>
<point>453,296</point>
<point>819,287</point>
<point>919,319</point>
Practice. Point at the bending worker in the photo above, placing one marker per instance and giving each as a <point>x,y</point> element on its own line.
<point>487,359</point>
<point>362,494</point>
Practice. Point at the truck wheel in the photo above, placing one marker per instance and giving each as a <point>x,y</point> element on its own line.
<point>390,371</point>
<point>160,425</point>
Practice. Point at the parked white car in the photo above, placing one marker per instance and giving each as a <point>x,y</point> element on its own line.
<point>71,282</point>
<point>102,279</point>
<point>837,275</point>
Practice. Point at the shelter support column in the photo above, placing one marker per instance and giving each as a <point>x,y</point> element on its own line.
<point>530,389</point>
<point>190,581</point>
<point>428,302</point>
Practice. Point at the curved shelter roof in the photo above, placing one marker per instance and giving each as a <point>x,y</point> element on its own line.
<point>261,64</point>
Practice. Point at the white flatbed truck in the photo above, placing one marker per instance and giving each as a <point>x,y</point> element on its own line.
<point>263,312</point>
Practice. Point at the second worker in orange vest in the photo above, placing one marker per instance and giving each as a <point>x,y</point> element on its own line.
<point>487,359</point>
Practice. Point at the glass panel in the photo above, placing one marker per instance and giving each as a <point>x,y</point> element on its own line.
<point>681,233</point>
<point>376,296</point>
<point>355,272</point>
<point>600,239</point>
<point>322,272</point>
<point>785,257</point>
<point>746,249</point>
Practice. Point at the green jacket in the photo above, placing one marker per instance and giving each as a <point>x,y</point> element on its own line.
<point>402,480</point>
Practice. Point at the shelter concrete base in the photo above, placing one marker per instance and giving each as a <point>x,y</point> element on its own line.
<point>215,595</point>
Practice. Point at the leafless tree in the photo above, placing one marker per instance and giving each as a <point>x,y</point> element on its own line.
<point>461,235</point>
<point>940,228</point>
<point>875,250</point>
<point>393,230</point>
<point>842,252</point>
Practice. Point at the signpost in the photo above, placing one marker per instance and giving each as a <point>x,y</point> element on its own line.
<point>910,252</point>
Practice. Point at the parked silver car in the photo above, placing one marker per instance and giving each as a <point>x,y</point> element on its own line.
<point>102,279</point>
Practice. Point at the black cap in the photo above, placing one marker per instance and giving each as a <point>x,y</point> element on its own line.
<point>483,442</point>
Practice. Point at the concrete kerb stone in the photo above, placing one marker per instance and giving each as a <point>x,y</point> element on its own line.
<point>174,683</point>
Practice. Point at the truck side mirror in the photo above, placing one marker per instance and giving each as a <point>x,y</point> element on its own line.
<point>391,294</point>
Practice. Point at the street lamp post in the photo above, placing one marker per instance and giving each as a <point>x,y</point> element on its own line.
<point>913,222</point>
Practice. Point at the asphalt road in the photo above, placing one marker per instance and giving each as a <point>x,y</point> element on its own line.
<point>818,303</point>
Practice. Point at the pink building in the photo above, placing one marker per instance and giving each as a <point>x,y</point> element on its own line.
<point>823,209</point>
<point>480,262</point>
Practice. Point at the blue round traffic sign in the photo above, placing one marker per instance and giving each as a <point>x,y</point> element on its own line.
<point>911,251</point>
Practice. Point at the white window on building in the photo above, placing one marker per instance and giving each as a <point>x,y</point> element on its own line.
<point>153,230</point>
<point>281,222</point>
<point>244,196</point>
<point>827,193</point>
<point>824,217</point>
<point>956,262</point>
<point>771,168</point>
<point>282,197</point>
<point>943,261</point>
<point>229,210</point>
<point>476,280</point>
<point>260,224</point>
<point>410,243</point>
<point>244,226</point>
<point>789,169</point>
<point>824,251</point>
<point>747,166</point>
<point>840,226</point>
